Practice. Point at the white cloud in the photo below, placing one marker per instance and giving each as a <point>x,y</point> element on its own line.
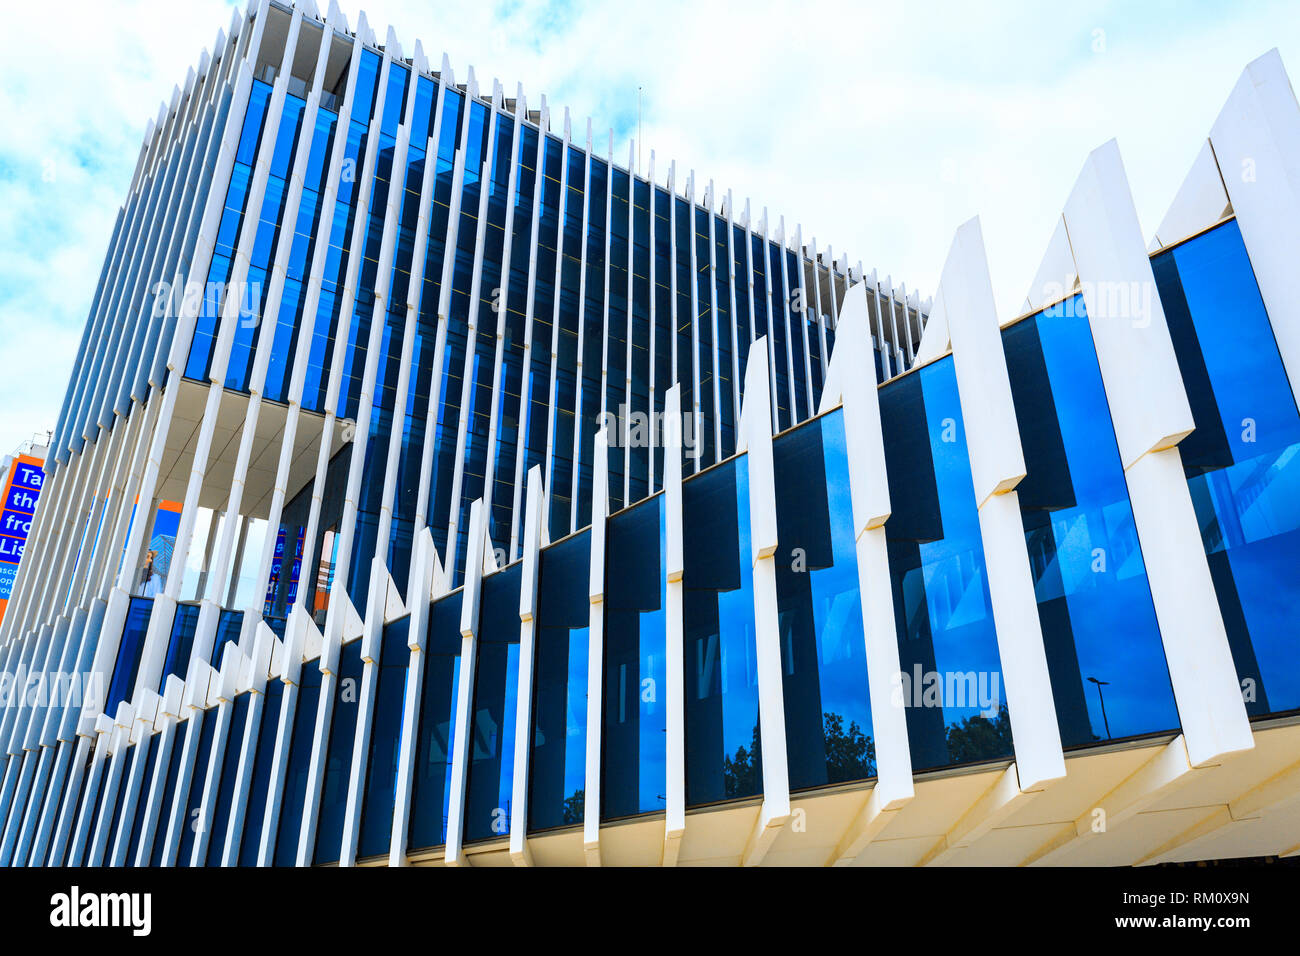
<point>879,126</point>
<point>77,85</point>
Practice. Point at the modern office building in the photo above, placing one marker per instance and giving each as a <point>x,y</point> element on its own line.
<point>433,488</point>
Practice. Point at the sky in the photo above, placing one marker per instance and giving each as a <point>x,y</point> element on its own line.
<point>880,127</point>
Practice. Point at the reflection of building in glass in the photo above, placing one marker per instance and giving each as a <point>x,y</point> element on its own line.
<point>365,580</point>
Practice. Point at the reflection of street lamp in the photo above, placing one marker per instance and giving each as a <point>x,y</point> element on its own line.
<point>1100,697</point>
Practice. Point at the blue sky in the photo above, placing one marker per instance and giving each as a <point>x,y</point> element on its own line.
<point>880,127</point>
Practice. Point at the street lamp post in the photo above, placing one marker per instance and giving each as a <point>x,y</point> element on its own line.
<point>1101,697</point>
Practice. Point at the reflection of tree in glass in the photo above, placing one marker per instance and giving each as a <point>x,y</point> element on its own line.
<point>850,755</point>
<point>978,738</point>
<point>575,806</point>
<point>740,774</point>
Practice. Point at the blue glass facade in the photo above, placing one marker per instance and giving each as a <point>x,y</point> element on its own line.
<point>1239,460</point>
<point>219,821</point>
<point>558,773</point>
<point>633,767</point>
<point>491,744</point>
<point>232,219</point>
<point>721,666</point>
<point>338,755</point>
<point>122,684</point>
<point>1104,649</point>
<point>341,219</point>
<point>170,764</point>
<point>299,746</point>
<point>381,775</point>
<point>142,802</point>
<point>951,681</point>
<point>431,779</point>
<point>190,791</point>
<point>260,777</point>
<point>823,651</point>
<point>181,643</point>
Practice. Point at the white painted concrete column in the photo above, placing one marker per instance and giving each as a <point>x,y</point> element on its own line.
<point>754,437</point>
<point>850,381</point>
<point>1256,142</point>
<point>426,579</point>
<point>453,854</point>
<point>533,518</point>
<point>969,316</point>
<point>168,720</point>
<point>674,630</point>
<point>1150,413</point>
<point>595,650</point>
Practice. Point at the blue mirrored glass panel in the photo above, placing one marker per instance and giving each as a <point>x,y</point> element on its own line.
<point>181,642</point>
<point>295,783</point>
<point>535,401</point>
<point>338,761</point>
<point>170,767</point>
<point>260,779</point>
<point>225,792</point>
<point>704,337</point>
<point>208,321</point>
<point>1241,459</point>
<point>617,343</point>
<point>634,728</point>
<point>142,801</point>
<point>312,225</point>
<point>723,759</point>
<point>128,653</point>
<point>823,649</point>
<point>431,781</point>
<point>248,330</point>
<point>724,328</point>
<point>366,278</point>
<point>557,767</point>
<point>342,220</point>
<point>638,455</point>
<point>662,373</point>
<point>1104,652</point>
<point>198,773</point>
<point>488,790</point>
<point>229,624</point>
<point>951,679</point>
<point>385,737</point>
<point>114,809</point>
